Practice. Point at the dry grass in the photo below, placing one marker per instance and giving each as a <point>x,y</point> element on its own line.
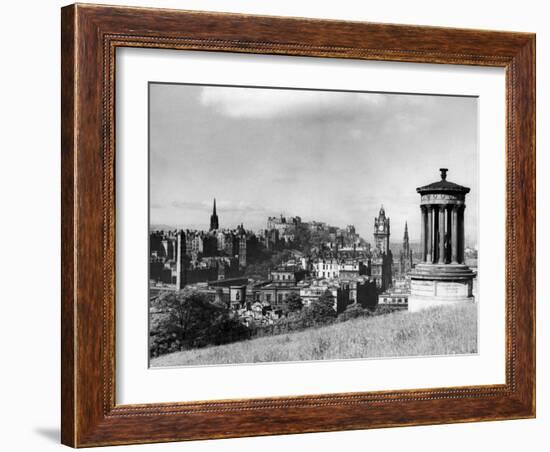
<point>438,331</point>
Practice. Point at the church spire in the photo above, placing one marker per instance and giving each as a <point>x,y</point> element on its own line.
<point>406,245</point>
<point>405,255</point>
<point>214,225</point>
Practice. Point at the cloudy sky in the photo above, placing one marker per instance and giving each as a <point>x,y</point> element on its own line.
<point>323,155</point>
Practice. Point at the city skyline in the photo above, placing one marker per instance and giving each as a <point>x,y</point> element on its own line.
<point>266,152</point>
<point>205,227</point>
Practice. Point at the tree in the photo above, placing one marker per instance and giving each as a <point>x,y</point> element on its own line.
<point>320,311</point>
<point>229,329</point>
<point>183,319</point>
<point>293,303</point>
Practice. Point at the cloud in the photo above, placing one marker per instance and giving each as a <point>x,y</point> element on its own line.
<point>408,121</point>
<point>383,113</point>
<point>192,205</point>
<point>221,206</point>
<point>239,206</point>
<point>275,103</point>
<point>356,133</point>
<point>285,179</point>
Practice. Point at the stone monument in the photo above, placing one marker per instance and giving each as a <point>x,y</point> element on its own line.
<point>441,278</point>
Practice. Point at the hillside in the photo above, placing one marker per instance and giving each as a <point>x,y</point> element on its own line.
<point>438,331</point>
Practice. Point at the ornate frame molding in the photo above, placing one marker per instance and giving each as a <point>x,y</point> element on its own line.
<point>90,37</point>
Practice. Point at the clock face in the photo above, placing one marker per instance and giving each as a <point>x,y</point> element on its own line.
<point>381,228</point>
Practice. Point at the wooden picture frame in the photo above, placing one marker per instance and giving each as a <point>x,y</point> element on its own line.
<point>90,35</point>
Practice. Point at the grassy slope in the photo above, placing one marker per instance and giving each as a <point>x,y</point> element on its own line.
<point>438,331</point>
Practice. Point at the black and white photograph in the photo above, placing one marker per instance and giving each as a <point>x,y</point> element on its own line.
<point>294,224</point>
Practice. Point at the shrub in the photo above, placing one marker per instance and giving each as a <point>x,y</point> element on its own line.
<point>383,310</point>
<point>186,319</point>
<point>229,329</point>
<point>352,312</point>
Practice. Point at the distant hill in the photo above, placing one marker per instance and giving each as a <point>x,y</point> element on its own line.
<point>161,227</point>
<point>171,227</point>
<point>395,247</point>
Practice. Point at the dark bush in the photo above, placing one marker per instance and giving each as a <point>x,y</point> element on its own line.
<point>354,311</point>
<point>228,330</point>
<point>186,319</point>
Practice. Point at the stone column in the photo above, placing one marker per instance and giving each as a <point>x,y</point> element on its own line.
<point>454,237</point>
<point>448,234</point>
<point>429,235</point>
<point>441,235</point>
<point>423,225</point>
<point>461,234</point>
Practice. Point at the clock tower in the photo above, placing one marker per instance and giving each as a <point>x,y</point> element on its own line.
<point>382,232</point>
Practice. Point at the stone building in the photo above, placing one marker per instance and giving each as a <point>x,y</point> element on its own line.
<point>210,244</point>
<point>339,268</point>
<point>326,268</point>
<point>197,245</point>
<point>395,297</point>
<point>282,223</point>
<point>313,290</point>
<point>230,292</point>
<point>242,246</point>
<point>441,277</point>
<point>362,290</point>
<point>273,294</point>
<point>287,276</point>
<point>181,262</point>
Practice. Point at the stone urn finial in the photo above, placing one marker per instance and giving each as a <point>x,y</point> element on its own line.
<point>443,173</point>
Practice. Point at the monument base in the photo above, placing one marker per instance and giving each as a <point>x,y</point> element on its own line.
<point>416,303</point>
<point>440,285</point>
